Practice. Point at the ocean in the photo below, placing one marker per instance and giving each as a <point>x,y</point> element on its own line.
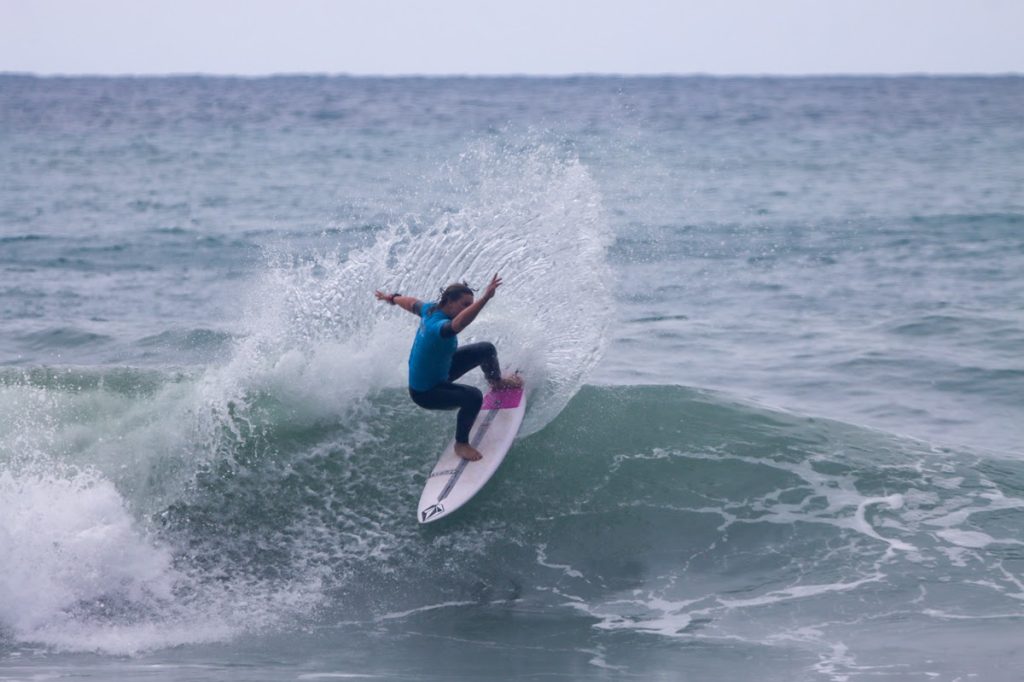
<point>773,330</point>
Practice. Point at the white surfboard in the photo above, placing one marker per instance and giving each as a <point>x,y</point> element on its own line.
<point>454,481</point>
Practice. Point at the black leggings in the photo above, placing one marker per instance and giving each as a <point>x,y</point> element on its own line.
<point>449,396</point>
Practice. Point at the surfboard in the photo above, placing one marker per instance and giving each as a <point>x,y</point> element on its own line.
<point>454,481</point>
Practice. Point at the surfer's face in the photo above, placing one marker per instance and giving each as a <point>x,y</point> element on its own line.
<point>456,306</point>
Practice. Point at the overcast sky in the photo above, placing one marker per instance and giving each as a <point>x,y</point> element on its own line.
<point>546,37</point>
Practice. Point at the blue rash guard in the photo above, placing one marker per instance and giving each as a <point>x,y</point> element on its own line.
<point>430,359</point>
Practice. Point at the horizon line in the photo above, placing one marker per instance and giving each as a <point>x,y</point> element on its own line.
<point>513,74</point>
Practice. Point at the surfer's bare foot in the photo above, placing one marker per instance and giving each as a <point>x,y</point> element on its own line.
<point>467,451</point>
<point>507,381</point>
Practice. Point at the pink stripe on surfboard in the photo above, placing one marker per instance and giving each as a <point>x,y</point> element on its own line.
<point>506,398</point>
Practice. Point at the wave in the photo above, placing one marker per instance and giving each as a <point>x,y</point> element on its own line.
<point>178,467</point>
<point>661,510</point>
<point>59,338</point>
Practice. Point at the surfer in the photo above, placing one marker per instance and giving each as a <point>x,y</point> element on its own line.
<point>436,361</point>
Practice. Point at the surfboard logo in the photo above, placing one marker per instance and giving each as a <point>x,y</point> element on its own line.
<point>430,512</point>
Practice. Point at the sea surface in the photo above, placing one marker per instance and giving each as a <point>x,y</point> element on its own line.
<point>773,330</point>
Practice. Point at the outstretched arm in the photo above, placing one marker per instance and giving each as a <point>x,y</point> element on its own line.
<point>409,303</point>
<point>463,319</point>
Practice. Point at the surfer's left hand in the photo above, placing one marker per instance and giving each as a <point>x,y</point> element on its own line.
<point>491,288</point>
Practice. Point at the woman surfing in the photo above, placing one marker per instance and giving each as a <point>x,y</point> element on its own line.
<point>436,361</point>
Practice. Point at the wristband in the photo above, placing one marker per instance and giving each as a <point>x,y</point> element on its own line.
<point>392,297</point>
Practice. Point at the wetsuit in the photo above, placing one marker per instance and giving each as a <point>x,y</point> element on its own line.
<point>436,361</point>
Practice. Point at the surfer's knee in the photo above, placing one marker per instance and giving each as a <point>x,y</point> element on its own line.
<point>474,398</point>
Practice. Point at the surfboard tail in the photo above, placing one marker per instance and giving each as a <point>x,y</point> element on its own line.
<point>505,398</point>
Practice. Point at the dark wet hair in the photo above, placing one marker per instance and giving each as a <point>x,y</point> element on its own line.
<point>453,292</point>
